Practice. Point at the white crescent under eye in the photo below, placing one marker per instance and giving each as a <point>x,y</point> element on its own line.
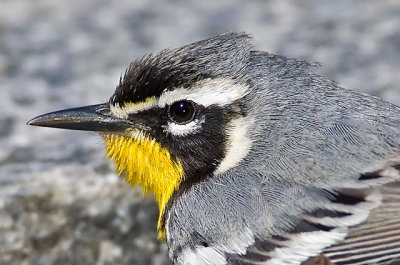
<point>184,129</point>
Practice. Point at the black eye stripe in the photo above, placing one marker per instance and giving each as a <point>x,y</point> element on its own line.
<point>182,112</point>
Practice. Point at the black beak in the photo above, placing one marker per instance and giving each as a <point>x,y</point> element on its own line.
<point>89,118</point>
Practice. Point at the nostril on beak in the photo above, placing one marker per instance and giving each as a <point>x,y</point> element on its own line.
<point>104,111</point>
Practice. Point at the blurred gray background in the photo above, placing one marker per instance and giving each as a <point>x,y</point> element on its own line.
<point>60,200</point>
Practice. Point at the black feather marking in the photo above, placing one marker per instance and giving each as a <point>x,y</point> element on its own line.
<point>234,260</point>
<point>254,255</point>
<point>370,175</point>
<point>328,213</point>
<point>306,226</point>
<point>279,238</point>
<point>265,245</point>
<point>247,258</point>
<point>347,199</point>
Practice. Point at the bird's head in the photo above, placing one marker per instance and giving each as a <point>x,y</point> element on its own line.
<point>175,118</point>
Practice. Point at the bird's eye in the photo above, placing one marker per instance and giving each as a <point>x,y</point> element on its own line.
<point>182,111</point>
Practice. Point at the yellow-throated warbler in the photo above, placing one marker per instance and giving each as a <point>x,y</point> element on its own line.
<point>253,158</point>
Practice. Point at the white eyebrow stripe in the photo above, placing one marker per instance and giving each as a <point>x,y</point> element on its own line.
<point>219,91</point>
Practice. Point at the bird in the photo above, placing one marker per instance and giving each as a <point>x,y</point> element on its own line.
<point>252,157</point>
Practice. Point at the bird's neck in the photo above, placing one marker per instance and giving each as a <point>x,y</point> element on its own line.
<point>148,164</point>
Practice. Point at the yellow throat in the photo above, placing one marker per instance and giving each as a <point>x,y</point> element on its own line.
<point>146,163</point>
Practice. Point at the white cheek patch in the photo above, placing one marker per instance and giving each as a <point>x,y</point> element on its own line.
<point>184,129</point>
<point>238,145</point>
<point>219,91</point>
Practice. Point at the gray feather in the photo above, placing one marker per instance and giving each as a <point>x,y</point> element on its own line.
<point>312,142</point>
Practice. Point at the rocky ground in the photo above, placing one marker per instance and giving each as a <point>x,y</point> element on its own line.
<point>60,200</point>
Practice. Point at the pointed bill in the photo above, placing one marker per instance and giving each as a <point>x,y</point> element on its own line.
<point>89,118</point>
